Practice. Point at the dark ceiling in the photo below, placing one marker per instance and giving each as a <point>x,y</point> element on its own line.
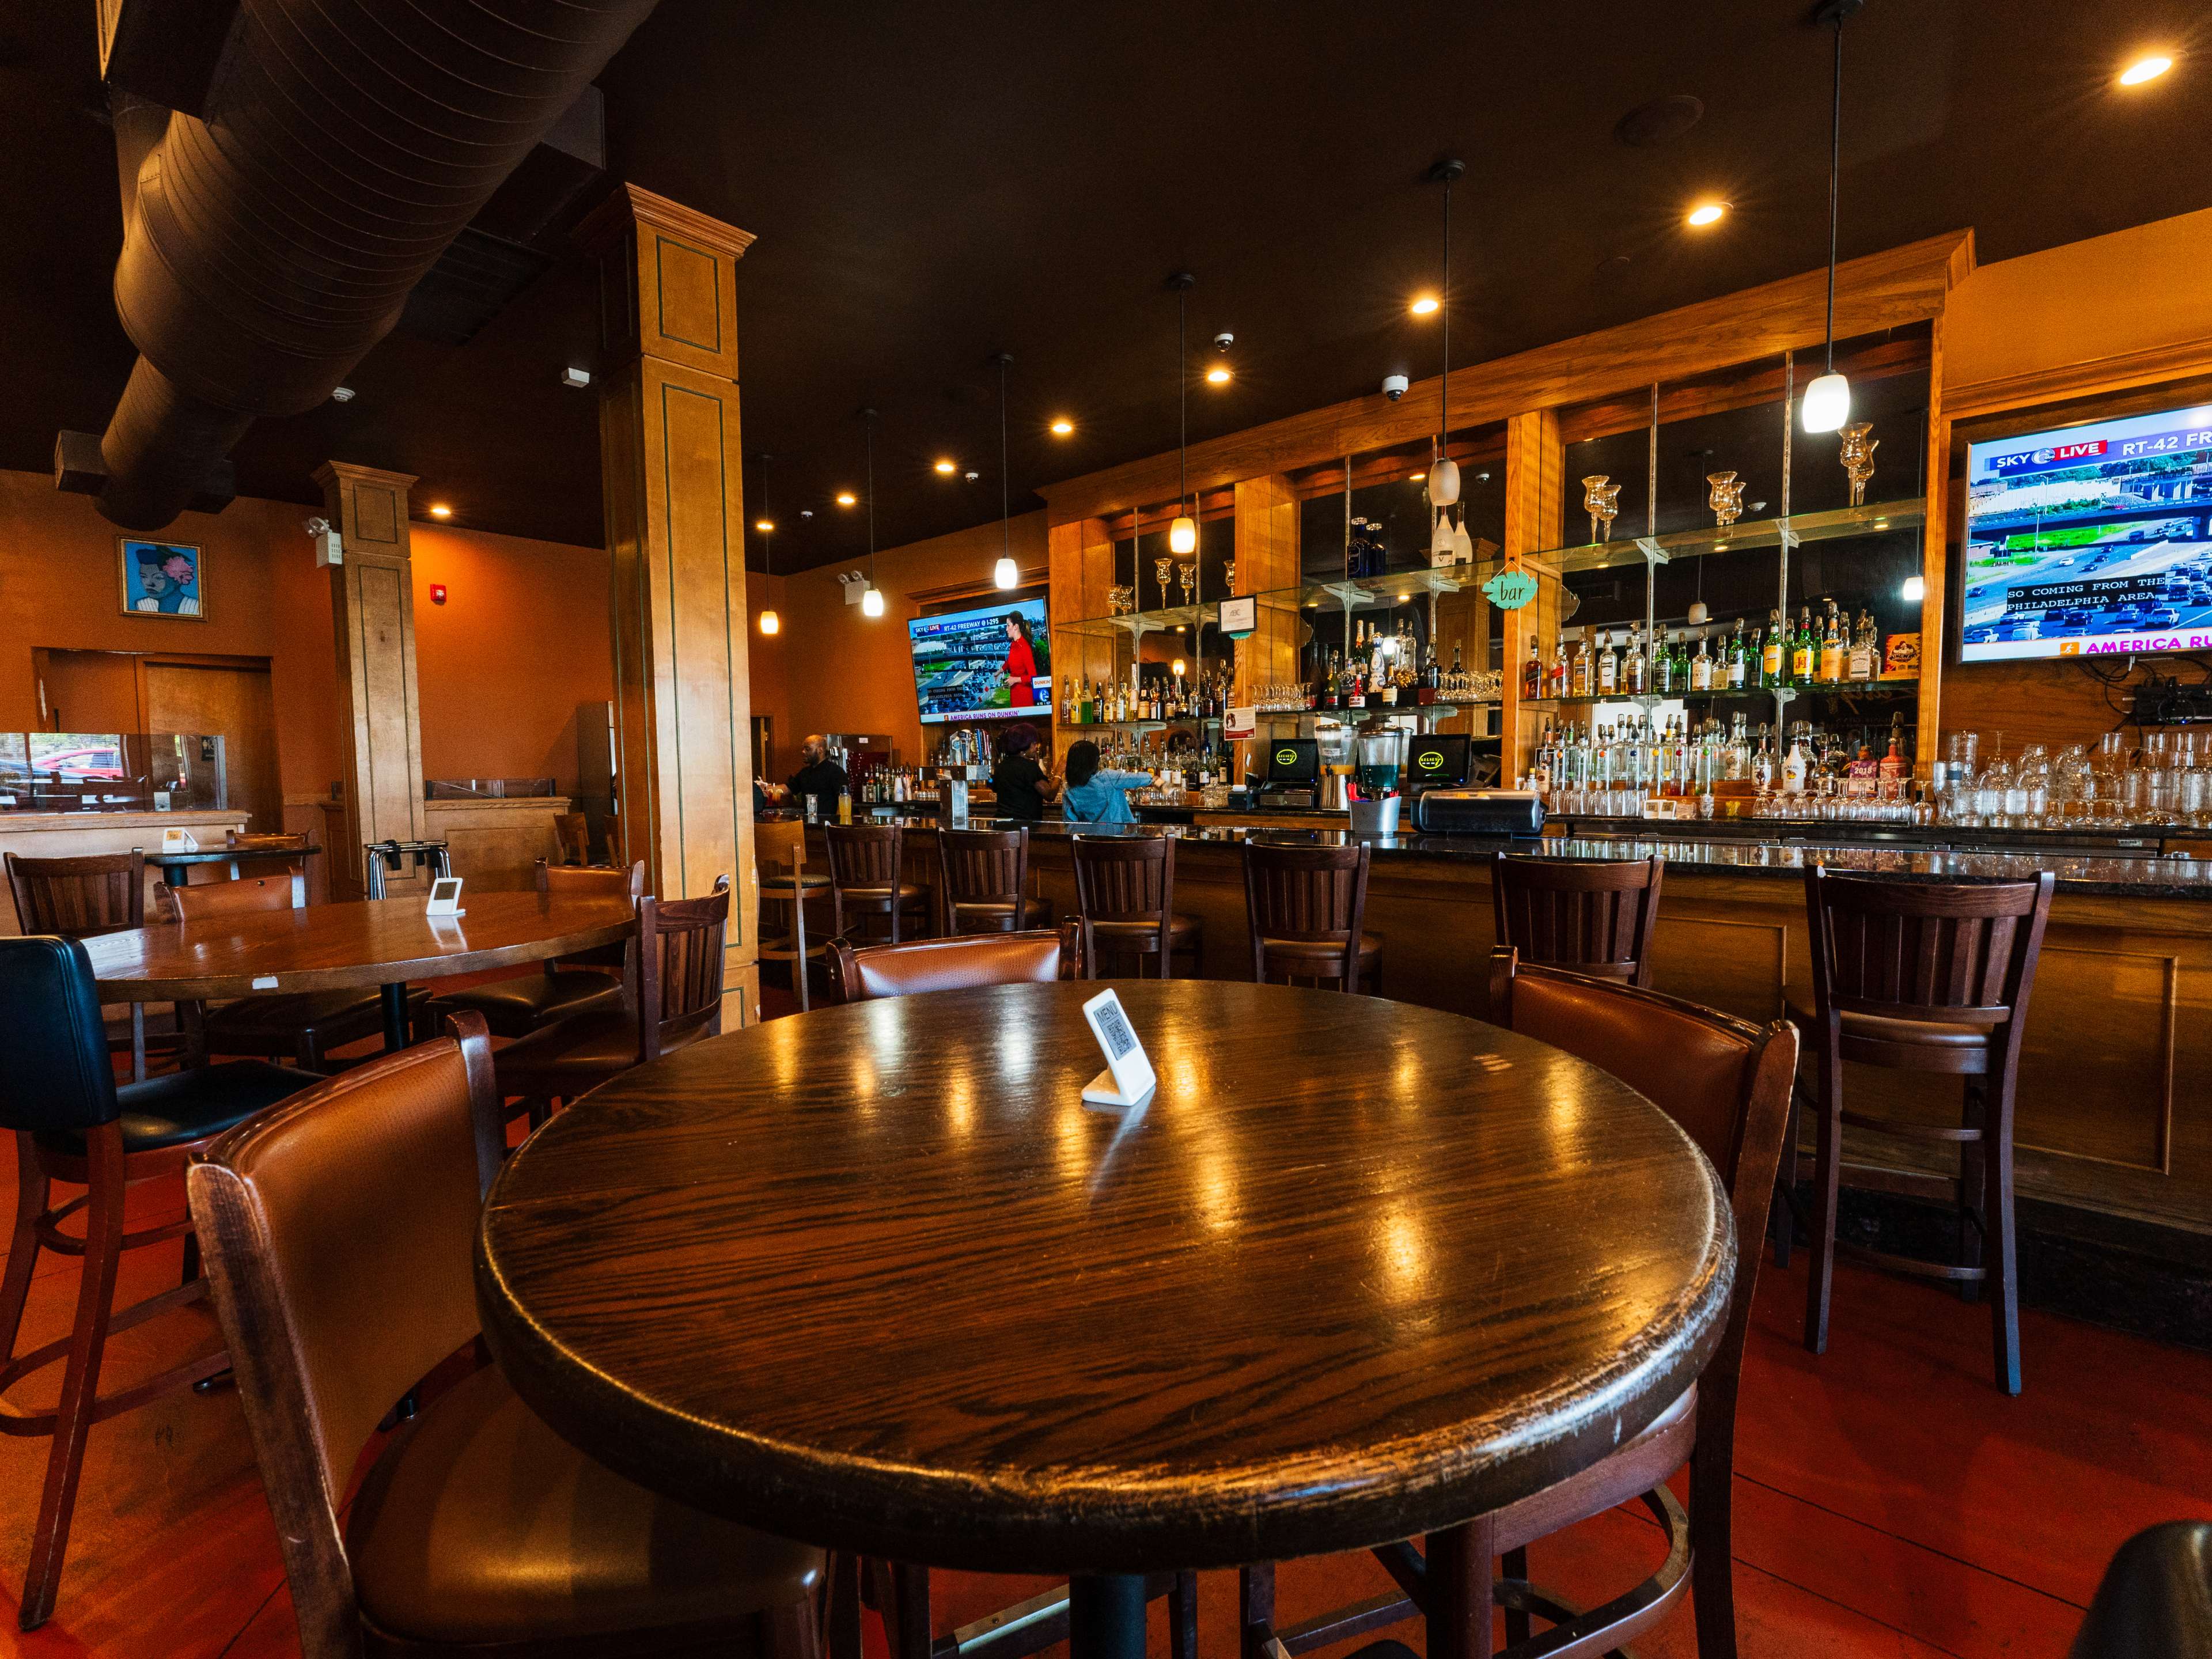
<point>930,183</point>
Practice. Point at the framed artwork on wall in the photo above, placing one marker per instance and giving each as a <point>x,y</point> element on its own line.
<point>161,578</point>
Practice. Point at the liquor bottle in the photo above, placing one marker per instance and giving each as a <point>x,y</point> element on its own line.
<point>1663,666</point>
<point>1861,662</point>
<point>1608,666</point>
<point>1893,764</point>
<point>1582,676</point>
<point>1739,658</point>
<point>1804,650</point>
<point>1639,667</point>
<point>1832,648</point>
<point>1555,681</point>
<point>1770,661</point>
<point>1794,764</point>
<point>1701,668</point>
<point>1532,673</point>
<point>1762,762</point>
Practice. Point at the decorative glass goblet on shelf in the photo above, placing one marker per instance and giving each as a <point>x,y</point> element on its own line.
<point>1121,599</point>
<point>1726,498</point>
<point>1163,568</point>
<point>1857,457</point>
<point>1601,500</point>
<point>1187,579</point>
<point>1229,576</point>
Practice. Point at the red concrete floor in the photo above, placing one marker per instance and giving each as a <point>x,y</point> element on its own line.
<point>1889,1501</point>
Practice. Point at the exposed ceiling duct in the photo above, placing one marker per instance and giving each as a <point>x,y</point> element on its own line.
<point>276,222</point>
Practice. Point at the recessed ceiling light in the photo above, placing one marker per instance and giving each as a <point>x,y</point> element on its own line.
<point>1415,477</point>
<point>846,498</point>
<point>341,394</point>
<point>1061,427</point>
<point>946,468</point>
<point>1426,306</point>
<point>2145,68</point>
<point>1707,213</point>
<point>442,511</point>
<point>764,526</point>
<point>1218,375</point>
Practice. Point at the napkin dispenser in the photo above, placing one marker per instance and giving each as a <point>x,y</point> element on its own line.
<point>1479,812</point>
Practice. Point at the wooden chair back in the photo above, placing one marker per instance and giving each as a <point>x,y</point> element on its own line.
<point>239,896</point>
<point>984,866</point>
<point>779,846</point>
<point>77,897</point>
<point>1726,1082</point>
<point>1594,915</point>
<point>573,830</point>
<point>1038,958</point>
<point>1957,953</point>
<point>867,857</point>
<point>1306,896</point>
<point>1124,878</point>
<point>339,1230</point>
<point>679,959</point>
<point>595,880</point>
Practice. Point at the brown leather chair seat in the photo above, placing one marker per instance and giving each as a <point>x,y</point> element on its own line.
<point>997,912</point>
<point>583,1051</point>
<point>908,894</point>
<point>277,1026</point>
<point>516,1007</point>
<point>1133,935</point>
<point>478,1523</point>
<point>1874,1028</point>
<point>1327,953</point>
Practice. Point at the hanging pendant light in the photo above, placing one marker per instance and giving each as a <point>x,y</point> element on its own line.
<point>1443,471</point>
<point>872,599</point>
<point>1828,399</point>
<point>1005,574</point>
<point>770,621</point>
<point>1182,534</point>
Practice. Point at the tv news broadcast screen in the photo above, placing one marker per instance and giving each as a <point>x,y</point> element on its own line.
<point>995,662</point>
<point>2090,540</point>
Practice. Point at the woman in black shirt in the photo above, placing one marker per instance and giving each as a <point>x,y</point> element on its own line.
<point>1022,786</point>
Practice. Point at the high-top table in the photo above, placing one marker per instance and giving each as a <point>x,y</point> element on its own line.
<point>875,1278</point>
<point>323,947</point>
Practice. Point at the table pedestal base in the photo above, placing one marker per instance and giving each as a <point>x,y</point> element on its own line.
<point>395,1017</point>
<point>1106,1616</point>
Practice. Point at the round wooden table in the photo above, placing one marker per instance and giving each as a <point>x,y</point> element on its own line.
<point>877,1278</point>
<point>323,947</point>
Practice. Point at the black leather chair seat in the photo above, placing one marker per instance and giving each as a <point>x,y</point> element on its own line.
<point>180,1107</point>
<point>1291,954</point>
<point>275,1024</point>
<point>981,915</point>
<point>1182,931</point>
<point>515,1007</point>
<point>478,1523</point>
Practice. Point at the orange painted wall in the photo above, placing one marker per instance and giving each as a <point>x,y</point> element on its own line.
<point>2135,290</point>
<point>765,655</point>
<point>501,668</point>
<point>839,670</point>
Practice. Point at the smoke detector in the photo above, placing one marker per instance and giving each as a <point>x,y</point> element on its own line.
<point>341,394</point>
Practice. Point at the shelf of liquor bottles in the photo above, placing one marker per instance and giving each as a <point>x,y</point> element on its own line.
<point>1431,711</point>
<point>1195,721</point>
<point>1873,691</point>
<point>1381,591</point>
<point>1873,519</point>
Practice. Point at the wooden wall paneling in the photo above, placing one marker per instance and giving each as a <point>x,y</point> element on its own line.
<point>1934,546</point>
<point>1268,556</point>
<point>372,623</point>
<point>671,452</point>
<point>1890,289</point>
<point>1536,462</point>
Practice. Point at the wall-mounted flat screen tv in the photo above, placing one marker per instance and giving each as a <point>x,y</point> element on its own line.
<point>995,662</point>
<point>2090,540</point>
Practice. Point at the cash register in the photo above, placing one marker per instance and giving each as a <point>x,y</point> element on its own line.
<point>1436,760</point>
<point>1292,779</point>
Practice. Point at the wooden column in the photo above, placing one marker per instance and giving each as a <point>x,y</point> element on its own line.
<point>1081,561</point>
<point>671,457</point>
<point>1535,465</point>
<point>1268,558</point>
<point>379,717</point>
<point>1935,564</point>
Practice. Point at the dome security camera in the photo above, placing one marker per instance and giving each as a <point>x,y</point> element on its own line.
<point>1224,340</point>
<point>1394,386</point>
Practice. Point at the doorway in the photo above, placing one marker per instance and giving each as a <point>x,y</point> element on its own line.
<point>220,697</point>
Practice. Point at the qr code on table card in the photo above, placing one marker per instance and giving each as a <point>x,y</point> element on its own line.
<point>1113,1031</point>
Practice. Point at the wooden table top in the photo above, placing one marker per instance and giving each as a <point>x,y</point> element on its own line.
<point>875,1277</point>
<point>322,947</point>
<point>162,861</point>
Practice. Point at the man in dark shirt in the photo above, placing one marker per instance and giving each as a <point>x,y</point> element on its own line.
<point>1021,784</point>
<point>819,776</point>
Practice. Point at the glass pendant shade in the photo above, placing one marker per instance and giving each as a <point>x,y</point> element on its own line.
<point>871,601</point>
<point>1462,544</point>
<point>1007,574</point>
<point>770,622</point>
<point>1914,589</point>
<point>1699,614</point>
<point>1440,540</point>
<point>1182,534</point>
<point>1444,482</point>
<point>1827,404</point>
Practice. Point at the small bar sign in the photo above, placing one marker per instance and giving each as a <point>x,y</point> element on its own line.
<point>1238,617</point>
<point>1129,1079</point>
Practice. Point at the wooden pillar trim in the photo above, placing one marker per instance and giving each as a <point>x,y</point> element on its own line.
<point>373,627</point>
<point>1535,465</point>
<point>672,457</point>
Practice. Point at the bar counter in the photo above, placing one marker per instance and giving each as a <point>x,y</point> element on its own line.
<point>2115,1108</point>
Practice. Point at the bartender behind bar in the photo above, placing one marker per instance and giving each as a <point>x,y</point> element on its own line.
<point>819,776</point>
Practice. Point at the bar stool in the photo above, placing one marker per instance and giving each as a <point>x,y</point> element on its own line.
<point>985,882</point>
<point>867,865</point>
<point>1306,905</point>
<point>1592,916</point>
<point>385,855</point>
<point>781,850</point>
<point>1125,894</point>
<point>1924,977</point>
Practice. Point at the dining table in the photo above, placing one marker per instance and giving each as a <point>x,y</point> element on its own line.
<point>877,1278</point>
<point>387,943</point>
